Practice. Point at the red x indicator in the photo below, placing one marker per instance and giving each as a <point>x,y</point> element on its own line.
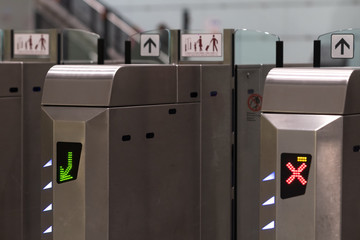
<point>295,169</point>
<point>296,173</point>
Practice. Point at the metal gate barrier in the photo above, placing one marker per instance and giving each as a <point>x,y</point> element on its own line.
<point>309,154</point>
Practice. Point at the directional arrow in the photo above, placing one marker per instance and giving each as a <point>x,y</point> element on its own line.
<point>64,173</point>
<point>149,42</point>
<point>342,43</point>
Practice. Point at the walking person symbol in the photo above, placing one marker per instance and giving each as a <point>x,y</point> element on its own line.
<point>200,43</point>
<point>214,42</point>
<point>42,42</point>
<point>29,41</point>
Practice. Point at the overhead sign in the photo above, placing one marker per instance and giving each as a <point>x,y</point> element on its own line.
<point>31,44</point>
<point>150,45</point>
<point>201,45</point>
<point>342,46</point>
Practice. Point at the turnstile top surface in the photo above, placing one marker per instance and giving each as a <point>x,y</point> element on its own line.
<point>110,85</point>
<point>313,91</point>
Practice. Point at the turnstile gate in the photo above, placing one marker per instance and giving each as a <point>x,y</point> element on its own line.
<point>10,140</point>
<point>23,69</point>
<point>309,155</point>
<point>137,152</point>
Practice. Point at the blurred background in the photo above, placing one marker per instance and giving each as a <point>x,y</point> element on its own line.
<point>296,22</point>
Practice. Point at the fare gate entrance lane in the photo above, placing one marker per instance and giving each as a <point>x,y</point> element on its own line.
<point>26,58</point>
<point>309,153</point>
<point>124,152</point>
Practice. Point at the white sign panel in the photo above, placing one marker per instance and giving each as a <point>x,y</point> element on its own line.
<point>150,45</point>
<point>34,44</point>
<point>201,45</point>
<point>342,46</point>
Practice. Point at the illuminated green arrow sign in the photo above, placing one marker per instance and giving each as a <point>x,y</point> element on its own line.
<point>67,161</point>
<point>64,174</point>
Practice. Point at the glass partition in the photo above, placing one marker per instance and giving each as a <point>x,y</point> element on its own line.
<point>151,47</point>
<point>255,47</point>
<point>79,46</point>
<point>337,48</point>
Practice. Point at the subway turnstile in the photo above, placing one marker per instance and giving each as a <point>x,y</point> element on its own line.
<point>10,139</point>
<point>249,89</point>
<point>136,152</point>
<point>23,69</point>
<point>310,146</point>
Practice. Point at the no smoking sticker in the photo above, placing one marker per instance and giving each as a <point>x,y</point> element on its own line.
<point>254,102</point>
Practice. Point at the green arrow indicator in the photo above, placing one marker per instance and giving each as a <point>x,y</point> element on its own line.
<point>64,174</point>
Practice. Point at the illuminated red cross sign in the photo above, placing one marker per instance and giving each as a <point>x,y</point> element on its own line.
<point>296,173</point>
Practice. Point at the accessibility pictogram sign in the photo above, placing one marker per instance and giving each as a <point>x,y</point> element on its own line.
<point>33,44</point>
<point>342,46</point>
<point>201,45</point>
<point>150,45</point>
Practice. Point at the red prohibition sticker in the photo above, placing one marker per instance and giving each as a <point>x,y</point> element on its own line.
<point>254,102</point>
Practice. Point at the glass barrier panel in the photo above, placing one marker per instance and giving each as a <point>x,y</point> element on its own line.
<point>337,48</point>
<point>254,47</point>
<point>151,47</point>
<point>79,46</point>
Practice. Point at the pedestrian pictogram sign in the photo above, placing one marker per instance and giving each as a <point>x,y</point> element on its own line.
<point>342,46</point>
<point>32,44</point>
<point>201,45</point>
<point>150,45</point>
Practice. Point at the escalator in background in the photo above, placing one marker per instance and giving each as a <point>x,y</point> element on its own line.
<point>90,15</point>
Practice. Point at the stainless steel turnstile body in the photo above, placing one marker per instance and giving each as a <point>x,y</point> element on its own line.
<point>136,152</point>
<point>10,161</point>
<point>33,77</point>
<point>250,81</point>
<point>21,88</point>
<point>310,143</point>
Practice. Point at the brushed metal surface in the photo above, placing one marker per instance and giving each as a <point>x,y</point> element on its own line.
<point>250,81</point>
<point>172,178</point>
<point>11,209</point>
<point>216,140</point>
<point>350,210</point>
<point>312,90</point>
<point>107,85</point>
<point>32,83</point>
<point>154,183</point>
<point>188,83</point>
<point>74,205</point>
<point>316,214</point>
